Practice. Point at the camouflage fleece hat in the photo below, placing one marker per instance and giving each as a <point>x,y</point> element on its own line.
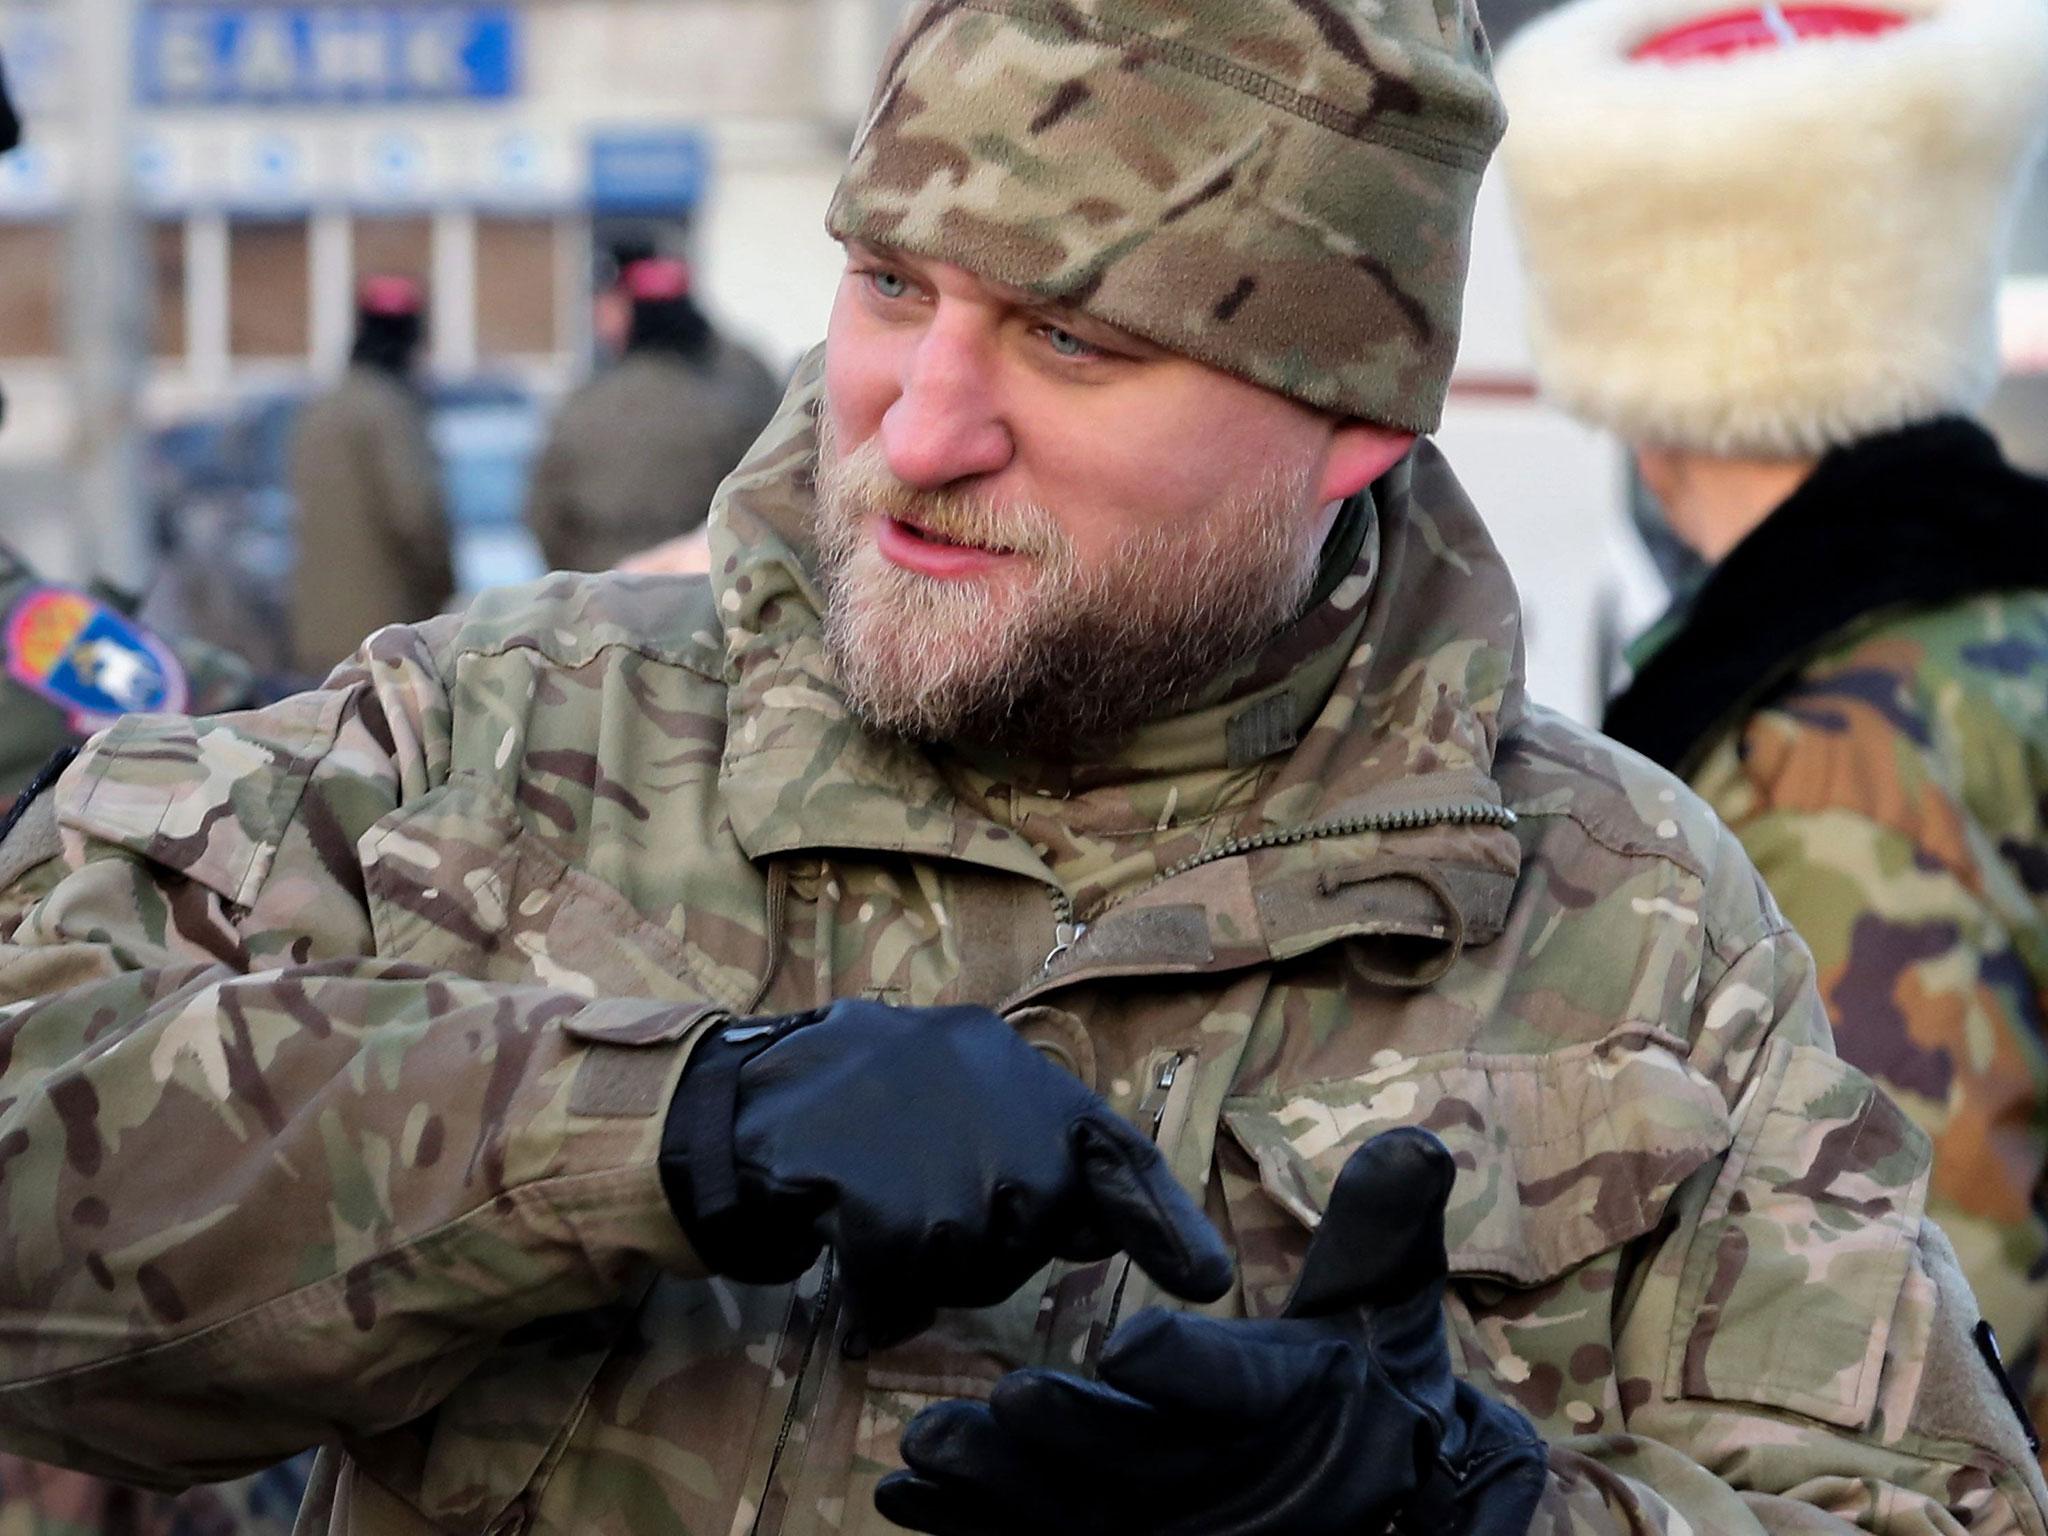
<point>1280,188</point>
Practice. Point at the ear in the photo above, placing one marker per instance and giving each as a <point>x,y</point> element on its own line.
<point>1360,452</point>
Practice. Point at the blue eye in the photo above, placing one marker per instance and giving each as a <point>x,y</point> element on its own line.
<point>1066,343</point>
<point>890,285</point>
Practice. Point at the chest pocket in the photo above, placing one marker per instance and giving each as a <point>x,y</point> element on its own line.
<point>1560,1156</point>
<point>1789,1253</point>
<point>1792,1289</point>
<point>455,881</point>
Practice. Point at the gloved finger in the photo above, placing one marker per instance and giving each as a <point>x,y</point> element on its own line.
<point>1216,1370</point>
<point>885,1303</point>
<point>1180,1474</point>
<point>1382,1237</point>
<point>918,1504</point>
<point>959,1448</point>
<point>1138,1203</point>
<point>958,1442</point>
<point>1088,1425</point>
<point>1083,1243</point>
<point>980,1269</point>
<point>1047,1229</point>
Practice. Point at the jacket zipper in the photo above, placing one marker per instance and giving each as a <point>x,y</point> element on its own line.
<point>1066,932</point>
<point>1067,929</point>
<point>1470,813</point>
<point>1152,1115</point>
<point>821,1325</point>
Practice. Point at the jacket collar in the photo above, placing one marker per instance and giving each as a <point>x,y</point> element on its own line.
<point>1927,515</point>
<point>1395,689</point>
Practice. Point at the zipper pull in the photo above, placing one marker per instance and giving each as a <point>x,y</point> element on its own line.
<point>1064,937</point>
<point>1153,1106</point>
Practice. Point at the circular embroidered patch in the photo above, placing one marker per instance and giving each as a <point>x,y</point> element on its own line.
<point>90,660</point>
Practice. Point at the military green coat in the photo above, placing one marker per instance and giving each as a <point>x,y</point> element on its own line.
<point>339,1038</point>
<point>372,541</point>
<point>637,453</point>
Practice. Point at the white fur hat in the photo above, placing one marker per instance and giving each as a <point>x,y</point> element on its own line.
<point>1782,249</point>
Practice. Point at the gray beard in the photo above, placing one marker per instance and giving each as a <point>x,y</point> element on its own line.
<point>1070,657</point>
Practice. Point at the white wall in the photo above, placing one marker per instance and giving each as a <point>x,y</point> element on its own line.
<point>1554,493</point>
<point>1495,344</point>
<point>765,265</point>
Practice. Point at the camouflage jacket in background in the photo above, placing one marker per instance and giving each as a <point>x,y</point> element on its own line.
<point>1886,765</point>
<point>339,1037</point>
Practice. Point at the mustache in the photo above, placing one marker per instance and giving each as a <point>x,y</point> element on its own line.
<point>858,484</point>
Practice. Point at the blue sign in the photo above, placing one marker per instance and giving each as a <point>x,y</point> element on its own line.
<point>311,55</point>
<point>648,171</point>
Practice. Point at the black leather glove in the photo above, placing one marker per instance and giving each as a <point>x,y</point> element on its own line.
<point>1339,1418</point>
<point>941,1158</point>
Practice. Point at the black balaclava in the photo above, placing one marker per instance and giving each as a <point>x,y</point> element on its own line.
<point>389,342</point>
<point>389,323</point>
<point>665,317</point>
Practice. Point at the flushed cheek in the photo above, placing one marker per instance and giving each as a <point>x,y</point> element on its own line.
<point>1107,480</point>
<point>857,383</point>
<point>1100,530</point>
<point>852,417</point>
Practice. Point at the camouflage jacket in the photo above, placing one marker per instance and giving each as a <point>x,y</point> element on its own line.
<point>338,1036</point>
<point>1861,690</point>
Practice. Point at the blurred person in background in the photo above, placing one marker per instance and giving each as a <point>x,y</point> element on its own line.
<point>1765,249</point>
<point>372,534</point>
<point>636,453</point>
<point>72,661</point>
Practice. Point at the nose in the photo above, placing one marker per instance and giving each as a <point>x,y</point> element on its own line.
<point>946,424</point>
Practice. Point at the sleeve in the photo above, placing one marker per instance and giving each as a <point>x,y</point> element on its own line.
<point>416,512</point>
<point>1793,1347</point>
<point>263,1187</point>
<point>1917,949</point>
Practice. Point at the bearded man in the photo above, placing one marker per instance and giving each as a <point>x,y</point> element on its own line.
<point>776,1053</point>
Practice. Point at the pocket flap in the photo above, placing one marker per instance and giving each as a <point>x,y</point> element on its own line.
<point>1793,1278</point>
<point>1560,1155</point>
<point>629,1022</point>
<point>202,797</point>
<point>456,881</point>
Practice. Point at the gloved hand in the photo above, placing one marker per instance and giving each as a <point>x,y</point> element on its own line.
<point>1339,1418</point>
<point>941,1158</point>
